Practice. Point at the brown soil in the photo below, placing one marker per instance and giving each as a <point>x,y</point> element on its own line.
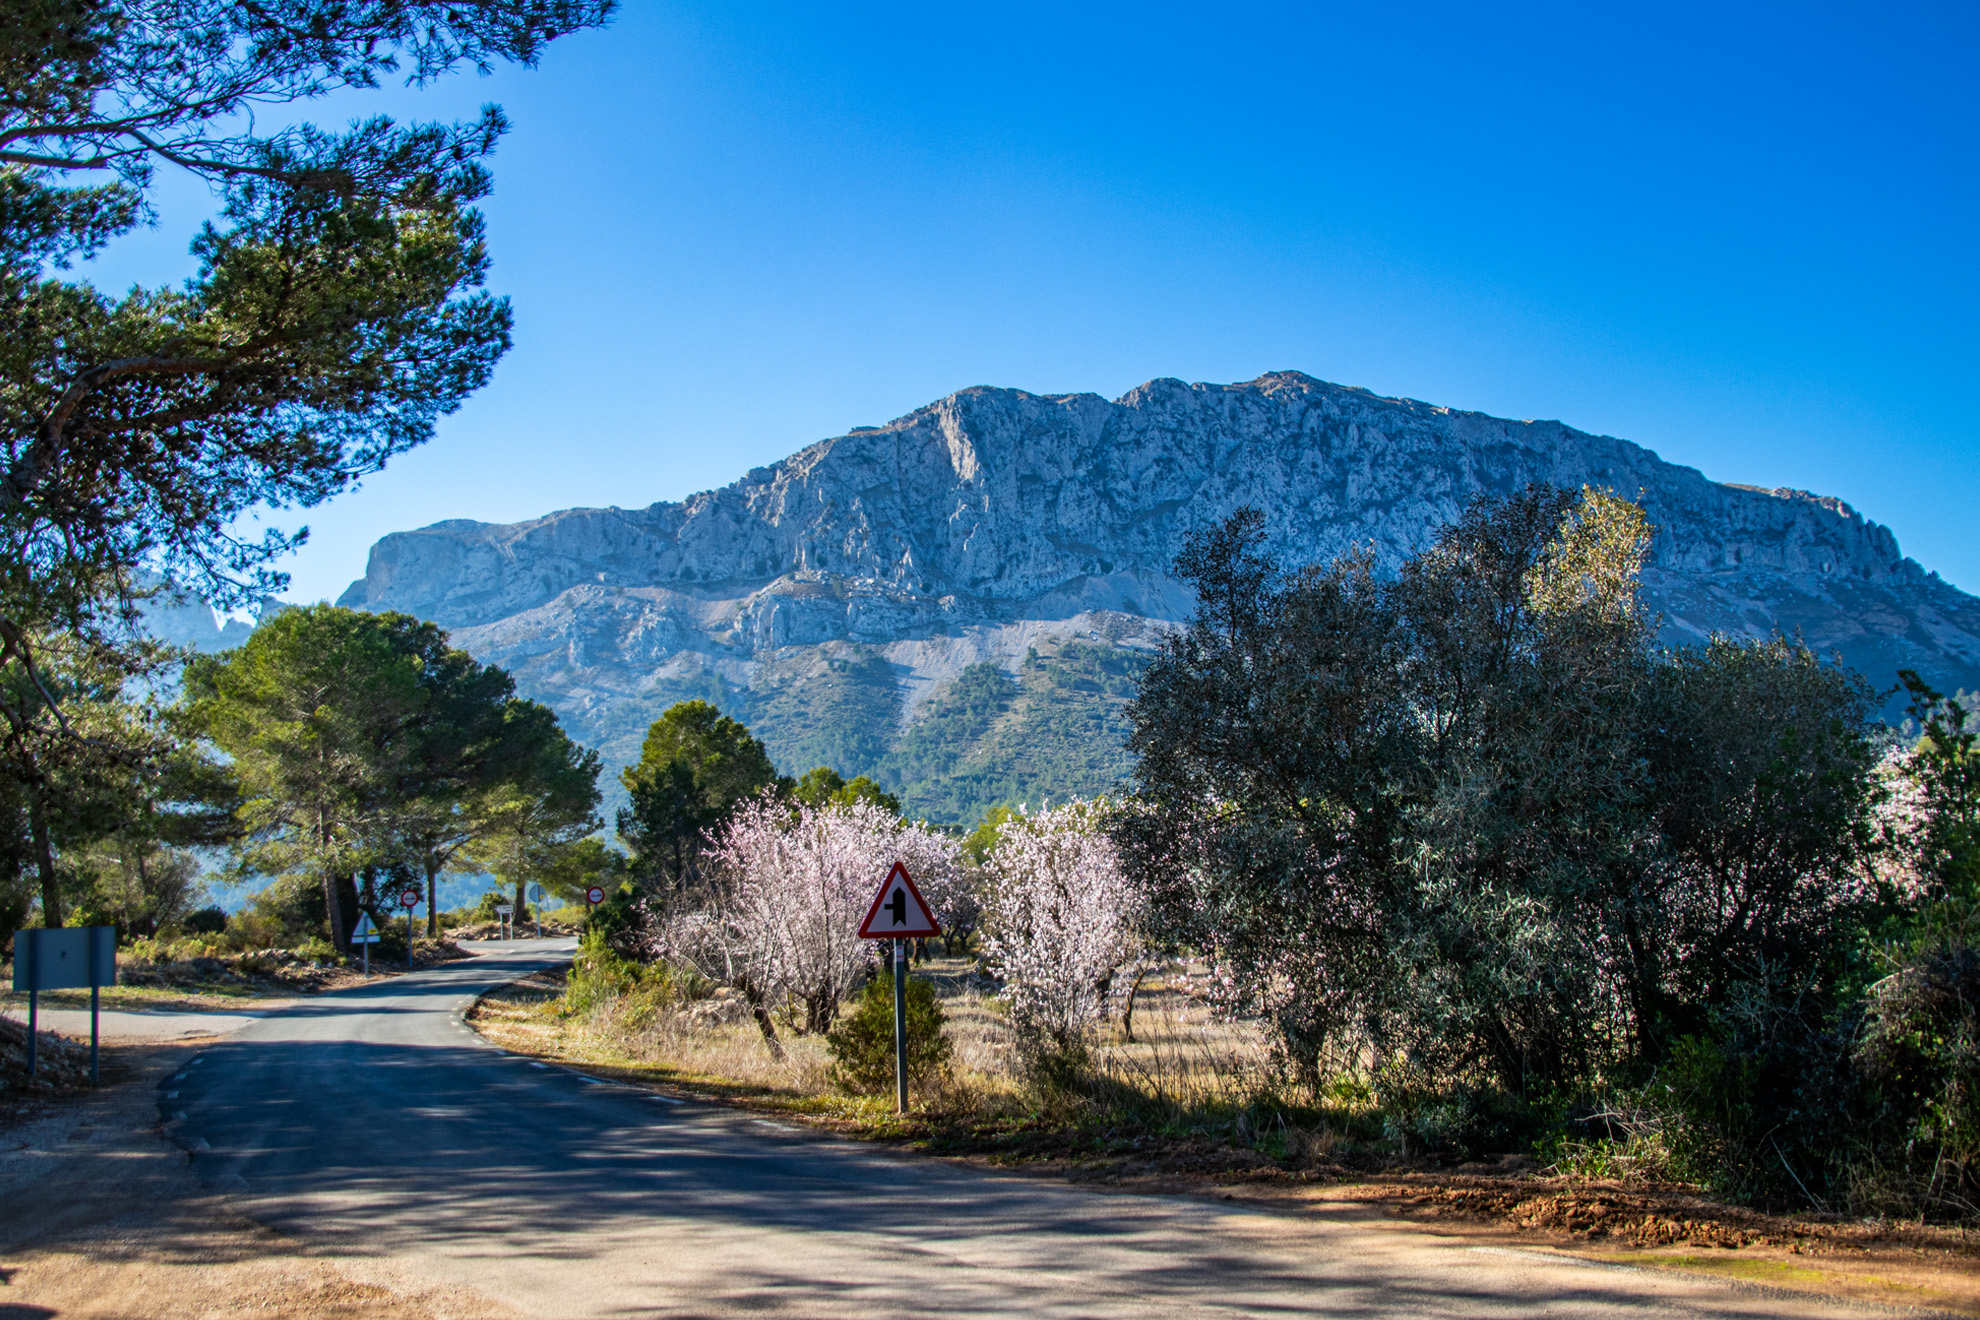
<point>101,1217</point>
<point>1674,1228</point>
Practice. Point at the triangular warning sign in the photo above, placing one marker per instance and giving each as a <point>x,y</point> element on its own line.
<point>898,912</point>
<point>363,926</point>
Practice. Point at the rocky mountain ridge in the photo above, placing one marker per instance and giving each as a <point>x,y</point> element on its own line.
<point>839,598</point>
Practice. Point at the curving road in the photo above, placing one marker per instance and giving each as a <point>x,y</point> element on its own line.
<point>373,1123</point>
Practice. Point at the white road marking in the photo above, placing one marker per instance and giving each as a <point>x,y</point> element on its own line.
<point>666,1099</point>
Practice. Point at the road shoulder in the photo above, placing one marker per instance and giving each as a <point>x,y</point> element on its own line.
<point>102,1215</point>
<point>1907,1267</point>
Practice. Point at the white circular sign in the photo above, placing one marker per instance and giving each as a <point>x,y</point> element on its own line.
<point>409,899</point>
<point>594,895</point>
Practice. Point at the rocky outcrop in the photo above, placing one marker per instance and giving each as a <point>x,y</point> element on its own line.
<point>977,528</point>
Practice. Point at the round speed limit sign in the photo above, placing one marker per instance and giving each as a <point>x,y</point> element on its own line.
<point>409,899</point>
<point>594,896</point>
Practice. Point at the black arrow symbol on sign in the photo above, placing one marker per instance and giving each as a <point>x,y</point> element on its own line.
<point>898,906</point>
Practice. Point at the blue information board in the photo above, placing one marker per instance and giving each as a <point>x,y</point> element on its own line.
<point>72,958</point>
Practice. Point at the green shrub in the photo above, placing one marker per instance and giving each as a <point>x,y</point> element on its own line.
<point>485,909</point>
<point>318,949</point>
<point>143,949</point>
<point>598,976</point>
<point>205,921</point>
<point>287,911</point>
<point>1918,1055</point>
<point>1768,1099</point>
<point>620,922</point>
<point>391,945</point>
<point>862,1044</point>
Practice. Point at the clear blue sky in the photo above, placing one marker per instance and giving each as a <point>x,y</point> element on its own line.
<point>1742,235</point>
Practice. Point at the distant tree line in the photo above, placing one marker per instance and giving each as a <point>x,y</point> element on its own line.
<point>371,755</point>
<point>342,755</point>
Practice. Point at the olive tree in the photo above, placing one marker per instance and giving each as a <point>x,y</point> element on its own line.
<point>1470,822</point>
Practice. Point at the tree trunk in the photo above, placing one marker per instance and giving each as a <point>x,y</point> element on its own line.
<point>517,915</point>
<point>150,918</point>
<point>44,860</point>
<point>769,1030</point>
<point>347,893</point>
<point>761,1012</point>
<point>1127,1013</point>
<point>333,907</point>
<point>432,905</point>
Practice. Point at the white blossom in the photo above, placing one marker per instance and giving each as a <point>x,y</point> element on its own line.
<point>794,883</point>
<point>1059,920</point>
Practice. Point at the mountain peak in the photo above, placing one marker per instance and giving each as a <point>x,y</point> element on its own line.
<point>972,529</point>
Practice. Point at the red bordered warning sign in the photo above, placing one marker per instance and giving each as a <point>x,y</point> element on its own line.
<point>899,912</point>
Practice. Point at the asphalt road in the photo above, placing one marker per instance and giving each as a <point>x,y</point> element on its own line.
<point>373,1123</point>
<point>133,1025</point>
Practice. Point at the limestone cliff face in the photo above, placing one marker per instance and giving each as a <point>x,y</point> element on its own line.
<point>975,528</point>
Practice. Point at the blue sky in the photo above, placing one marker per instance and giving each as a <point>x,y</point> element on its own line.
<point>1743,235</point>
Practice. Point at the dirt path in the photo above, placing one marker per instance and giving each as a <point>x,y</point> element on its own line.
<point>101,1216</point>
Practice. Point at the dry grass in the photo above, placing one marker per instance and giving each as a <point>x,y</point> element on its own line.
<point>712,1053</point>
<point>1185,1069</point>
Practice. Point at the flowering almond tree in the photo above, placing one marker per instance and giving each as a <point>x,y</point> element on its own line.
<point>784,926</point>
<point>1060,918</point>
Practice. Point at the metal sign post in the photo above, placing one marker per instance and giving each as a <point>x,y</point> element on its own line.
<point>536,908</point>
<point>366,934</point>
<point>898,914</point>
<point>409,899</point>
<point>66,958</point>
<point>900,1026</point>
<point>95,989</point>
<point>505,911</point>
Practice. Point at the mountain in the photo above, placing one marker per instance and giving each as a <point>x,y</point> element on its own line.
<point>185,619</point>
<point>958,601</point>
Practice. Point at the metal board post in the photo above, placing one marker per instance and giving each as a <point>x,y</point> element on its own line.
<point>65,958</point>
<point>95,984</point>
